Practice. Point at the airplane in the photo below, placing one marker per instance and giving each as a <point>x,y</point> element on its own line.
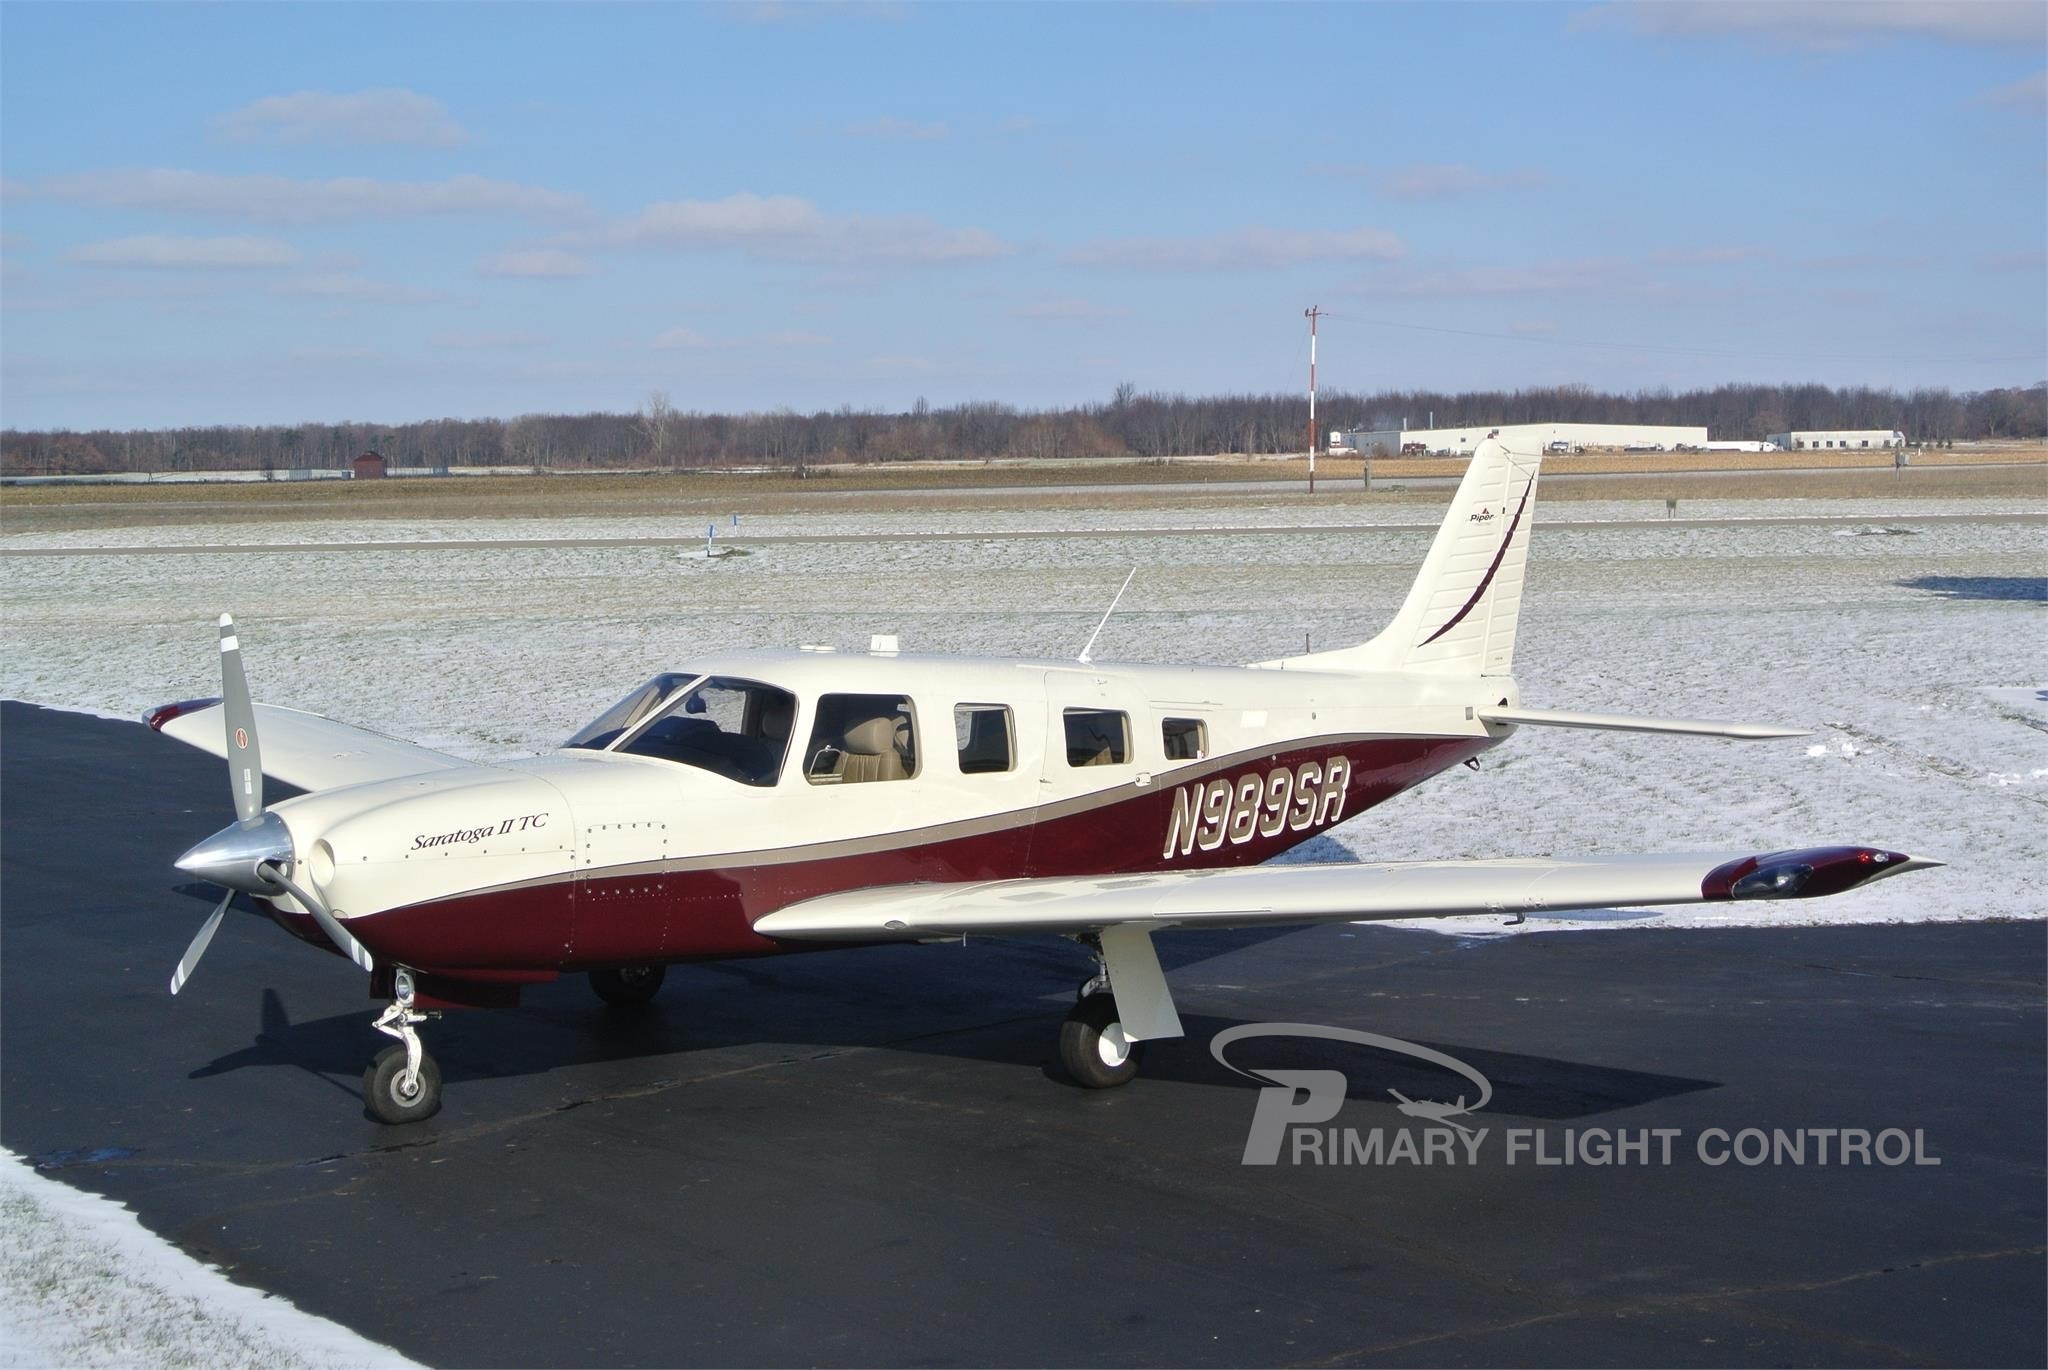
<point>762,802</point>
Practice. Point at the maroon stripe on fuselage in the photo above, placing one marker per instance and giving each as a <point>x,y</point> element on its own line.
<point>707,914</point>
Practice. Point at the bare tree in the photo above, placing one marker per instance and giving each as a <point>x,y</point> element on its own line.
<point>657,424</point>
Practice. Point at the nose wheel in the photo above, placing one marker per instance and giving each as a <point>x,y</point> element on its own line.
<point>403,1085</point>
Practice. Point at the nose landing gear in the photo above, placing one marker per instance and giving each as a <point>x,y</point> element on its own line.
<point>403,1085</point>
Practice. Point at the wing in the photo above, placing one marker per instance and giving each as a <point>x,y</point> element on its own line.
<point>1249,895</point>
<point>302,749</point>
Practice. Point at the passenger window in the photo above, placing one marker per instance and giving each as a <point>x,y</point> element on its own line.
<point>859,738</point>
<point>1098,737</point>
<point>1187,739</point>
<point>735,728</point>
<point>985,737</point>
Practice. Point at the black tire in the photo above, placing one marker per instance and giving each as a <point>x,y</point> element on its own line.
<point>628,986</point>
<point>1092,1045</point>
<point>383,1088</point>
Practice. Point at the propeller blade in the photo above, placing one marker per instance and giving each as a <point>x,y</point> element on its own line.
<point>329,924</point>
<point>190,960</point>
<point>245,760</point>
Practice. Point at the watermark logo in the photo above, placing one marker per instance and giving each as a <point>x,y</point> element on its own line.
<point>1294,1105</point>
<point>1312,1097</point>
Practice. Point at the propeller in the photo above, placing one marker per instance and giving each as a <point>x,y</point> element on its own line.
<point>254,854</point>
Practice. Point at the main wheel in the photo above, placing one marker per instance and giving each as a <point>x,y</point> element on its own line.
<point>1093,1047</point>
<point>628,986</point>
<point>385,1088</point>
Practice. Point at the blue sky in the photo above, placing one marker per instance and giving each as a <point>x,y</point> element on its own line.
<point>277,213</point>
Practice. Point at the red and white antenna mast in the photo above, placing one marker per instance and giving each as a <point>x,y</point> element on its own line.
<point>1312,313</point>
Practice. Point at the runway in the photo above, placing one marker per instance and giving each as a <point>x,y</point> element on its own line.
<point>866,1157</point>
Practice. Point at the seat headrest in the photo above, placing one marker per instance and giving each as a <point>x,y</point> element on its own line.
<point>871,737</point>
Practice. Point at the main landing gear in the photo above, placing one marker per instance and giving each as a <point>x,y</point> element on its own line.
<point>1121,1007</point>
<point>403,1085</point>
<point>1093,1047</point>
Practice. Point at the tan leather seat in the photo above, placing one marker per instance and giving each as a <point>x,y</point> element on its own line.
<point>873,750</point>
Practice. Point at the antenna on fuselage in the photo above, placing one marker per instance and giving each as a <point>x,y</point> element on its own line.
<point>1083,658</point>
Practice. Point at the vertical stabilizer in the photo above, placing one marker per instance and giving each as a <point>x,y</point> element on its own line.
<point>1460,615</point>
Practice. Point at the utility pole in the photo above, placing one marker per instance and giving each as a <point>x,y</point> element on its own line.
<point>1312,313</point>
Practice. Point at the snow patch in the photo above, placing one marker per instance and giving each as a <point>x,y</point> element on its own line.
<point>83,1284</point>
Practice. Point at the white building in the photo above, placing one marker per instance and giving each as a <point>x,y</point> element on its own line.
<point>1549,437</point>
<point>1826,439</point>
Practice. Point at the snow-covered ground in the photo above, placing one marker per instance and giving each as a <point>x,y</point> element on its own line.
<point>83,1284</point>
<point>1081,512</point>
<point>1917,661</point>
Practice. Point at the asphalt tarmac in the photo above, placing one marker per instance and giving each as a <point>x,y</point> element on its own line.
<point>868,1157</point>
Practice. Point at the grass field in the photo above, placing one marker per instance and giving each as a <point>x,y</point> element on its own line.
<point>1988,472</point>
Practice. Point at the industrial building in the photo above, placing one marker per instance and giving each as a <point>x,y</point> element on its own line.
<point>1549,437</point>
<point>1825,439</point>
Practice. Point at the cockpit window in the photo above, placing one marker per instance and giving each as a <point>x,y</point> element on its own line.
<point>735,728</point>
<point>732,728</point>
<point>621,717</point>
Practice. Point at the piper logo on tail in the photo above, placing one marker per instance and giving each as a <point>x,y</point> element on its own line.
<point>1233,809</point>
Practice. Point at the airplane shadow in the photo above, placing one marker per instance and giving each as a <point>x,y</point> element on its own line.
<point>1005,1011</point>
<point>2027,589</point>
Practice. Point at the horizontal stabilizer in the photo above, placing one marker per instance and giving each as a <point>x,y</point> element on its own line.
<point>1248,896</point>
<point>303,750</point>
<point>1626,723</point>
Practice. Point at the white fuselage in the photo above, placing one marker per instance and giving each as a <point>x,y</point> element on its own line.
<point>590,856</point>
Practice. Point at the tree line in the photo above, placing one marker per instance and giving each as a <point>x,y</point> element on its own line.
<point>1129,423</point>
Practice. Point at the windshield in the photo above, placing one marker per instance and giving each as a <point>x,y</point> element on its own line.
<point>606,728</point>
<point>735,728</point>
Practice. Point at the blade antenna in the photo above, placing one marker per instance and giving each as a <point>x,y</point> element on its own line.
<point>1083,658</point>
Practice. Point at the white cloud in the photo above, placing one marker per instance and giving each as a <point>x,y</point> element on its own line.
<point>364,118</point>
<point>787,228</point>
<point>1443,182</point>
<point>1241,249</point>
<point>689,339</point>
<point>1066,308</point>
<point>534,262</point>
<point>1020,123</point>
<point>905,130</point>
<point>346,285</point>
<point>334,354</point>
<point>204,254</point>
<point>2028,95</point>
<point>286,200</point>
<point>1829,24</point>
<point>1610,277</point>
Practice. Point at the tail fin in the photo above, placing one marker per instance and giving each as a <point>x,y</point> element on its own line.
<point>1460,615</point>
